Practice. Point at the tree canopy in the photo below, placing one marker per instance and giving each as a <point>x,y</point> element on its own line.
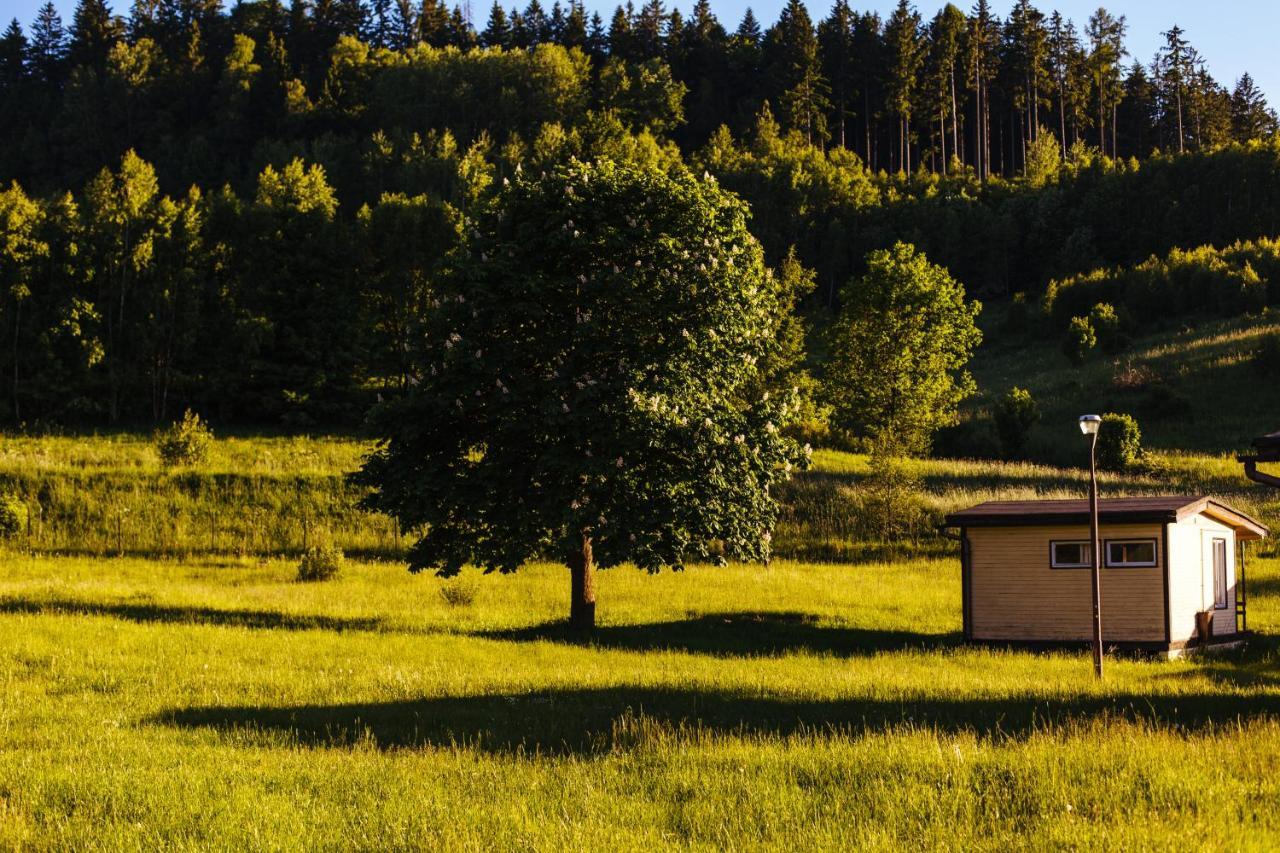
<point>589,386</point>
<point>899,350</point>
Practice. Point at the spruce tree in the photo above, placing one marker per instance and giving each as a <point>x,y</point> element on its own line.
<point>835,42</point>
<point>905,58</point>
<point>497,32</point>
<point>93,31</point>
<point>794,72</point>
<point>13,58</point>
<point>1106,50</point>
<point>48,45</point>
<point>1251,118</point>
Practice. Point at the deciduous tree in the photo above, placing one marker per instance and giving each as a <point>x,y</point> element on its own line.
<point>585,385</point>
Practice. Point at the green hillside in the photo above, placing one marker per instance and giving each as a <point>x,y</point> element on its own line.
<point>1193,385</point>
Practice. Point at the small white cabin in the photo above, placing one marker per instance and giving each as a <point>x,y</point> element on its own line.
<point>1026,576</point>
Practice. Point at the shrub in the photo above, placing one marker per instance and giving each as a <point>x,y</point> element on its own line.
<point>458,592</point>
<point>1266,358</point>
<point>320,563</point>
<point>185,442</point>
<point>13,516</point>
<point>1119,442</point>
<point>1015,413</point>
<point>1109,329</point>
<point>891,504</point>
<point>1079,341</point>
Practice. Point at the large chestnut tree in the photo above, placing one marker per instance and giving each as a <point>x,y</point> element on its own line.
<point>588,385</point>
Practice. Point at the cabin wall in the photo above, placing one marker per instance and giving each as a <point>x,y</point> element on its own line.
<point>1186,581</point>
<point>1016,596</point>
<point>1191,581</point>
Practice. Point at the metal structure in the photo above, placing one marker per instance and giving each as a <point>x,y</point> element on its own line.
<point>1089,425</point>
<point>1266,449</point>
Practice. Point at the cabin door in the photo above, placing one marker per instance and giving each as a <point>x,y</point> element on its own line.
<point>1221,589</point>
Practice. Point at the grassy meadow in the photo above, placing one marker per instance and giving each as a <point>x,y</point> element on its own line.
<point>165,682</point>
<point>216,703</point>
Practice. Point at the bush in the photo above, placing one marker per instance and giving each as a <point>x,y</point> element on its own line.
<point>1109,329</point>
<point>320,563</point>
<point>1015,413</point>
<point>1266,358</point>
<point>1080,340</point>
<point>458,592</point>
<point>185,442</point>
<point>13,516</point>
<point>1119,442</point>
<point>891,505</point>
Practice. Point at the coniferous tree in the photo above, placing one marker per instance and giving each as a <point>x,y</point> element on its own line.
<point>868,65</point>
<point>597,39</point>
<point>1251,118</point>
<point>404,24</point>
<point>1065,60</point>
<point>835,42</point>
<point>1106,50</point>
<point>48,45</point>
<point>981,50</point>
<point>433,23</point>
<point>1174,69</point>
<point>946,33</point>
<point>460,32</point>
<point>575,30</point>
<point>13,58</point>
<point>497,32</point>
<point>1139,113</point>
<point>746,60</point>
<point>905,57</point>
<point>94,29</point>
<point>1027,66</point>
<point>536,22</point>
<point>647,36</point>
<point>794,73</point>
<point>621,37</point>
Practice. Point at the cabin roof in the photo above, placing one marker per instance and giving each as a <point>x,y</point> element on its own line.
<point>1110,511</point>
<point>1270,441</point>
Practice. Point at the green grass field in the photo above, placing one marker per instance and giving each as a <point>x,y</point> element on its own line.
<point>218,704</point>
<point>164,682</point>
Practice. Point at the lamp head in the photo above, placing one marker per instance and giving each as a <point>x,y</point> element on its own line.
<point>1089,424</point>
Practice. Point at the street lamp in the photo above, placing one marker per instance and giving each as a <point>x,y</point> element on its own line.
<point>1089,425</point>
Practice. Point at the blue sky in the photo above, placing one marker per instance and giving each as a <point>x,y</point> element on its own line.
<point>1234,37</point>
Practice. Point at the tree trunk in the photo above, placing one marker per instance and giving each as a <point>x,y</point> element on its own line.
<point>582,574</point>
<point>955,131</point>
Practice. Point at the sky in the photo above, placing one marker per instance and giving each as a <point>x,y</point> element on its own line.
<point>1234,36</point>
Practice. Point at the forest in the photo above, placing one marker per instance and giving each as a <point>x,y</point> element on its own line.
<point>245,209</point>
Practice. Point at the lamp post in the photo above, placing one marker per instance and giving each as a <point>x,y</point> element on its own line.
<point>1089,425</point>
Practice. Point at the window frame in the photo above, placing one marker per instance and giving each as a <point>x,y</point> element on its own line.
<point>1053,555</point>
<point>1154,542</point>
<point>1224,589</point>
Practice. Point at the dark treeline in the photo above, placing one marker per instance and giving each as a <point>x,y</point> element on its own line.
<point>243,211</point>
<point>211,95</point>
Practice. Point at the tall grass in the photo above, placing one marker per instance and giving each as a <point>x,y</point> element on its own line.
<point>111,495</point>
<point>154,704</point>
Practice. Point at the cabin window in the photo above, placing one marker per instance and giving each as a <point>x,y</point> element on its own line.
<point>1070,555</point>
<point>1131,553</point>
<point>1220,574</point>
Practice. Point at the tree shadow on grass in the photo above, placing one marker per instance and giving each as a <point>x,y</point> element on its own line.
<point>739,634</point>
<point>151,613</point>
<point>599,720</point>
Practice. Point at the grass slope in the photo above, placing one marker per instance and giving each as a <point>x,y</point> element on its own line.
<point>218,704</point>
<point>1192,387</point>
